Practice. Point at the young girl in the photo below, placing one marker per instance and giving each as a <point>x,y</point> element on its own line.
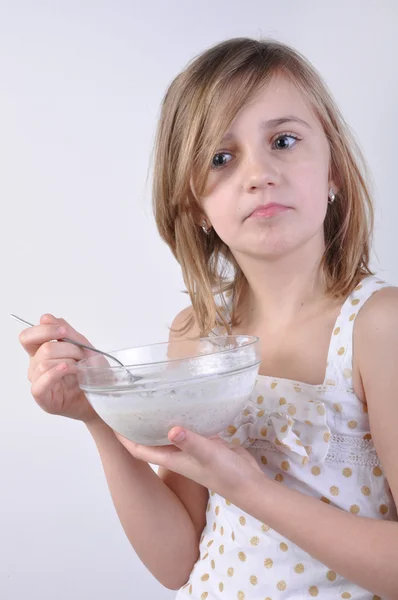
<point>258,193</point>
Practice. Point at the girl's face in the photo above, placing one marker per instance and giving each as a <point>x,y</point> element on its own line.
<point>267,192</point>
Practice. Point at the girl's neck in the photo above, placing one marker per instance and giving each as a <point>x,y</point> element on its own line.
<point>282,290</point>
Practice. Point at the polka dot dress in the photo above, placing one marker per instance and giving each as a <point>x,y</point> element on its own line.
<point>312,438</point>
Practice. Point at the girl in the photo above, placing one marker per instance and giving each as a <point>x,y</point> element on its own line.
<point>260,196</point>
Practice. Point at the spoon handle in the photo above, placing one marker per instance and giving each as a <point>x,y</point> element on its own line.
<point>71,341</point>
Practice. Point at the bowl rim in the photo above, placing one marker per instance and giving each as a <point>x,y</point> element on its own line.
<point>252,340</point>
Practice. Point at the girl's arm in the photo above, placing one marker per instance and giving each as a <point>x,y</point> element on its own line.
<point>162,515</point>
<point>362,550</point>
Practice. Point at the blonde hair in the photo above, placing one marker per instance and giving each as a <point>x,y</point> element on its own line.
<point>197,109</point>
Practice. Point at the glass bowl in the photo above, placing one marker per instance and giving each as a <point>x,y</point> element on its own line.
<point>198,384</point>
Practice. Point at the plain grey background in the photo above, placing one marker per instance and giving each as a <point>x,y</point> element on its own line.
<point>80,88</point>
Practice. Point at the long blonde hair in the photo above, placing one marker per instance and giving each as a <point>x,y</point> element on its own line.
<point>197,109</point>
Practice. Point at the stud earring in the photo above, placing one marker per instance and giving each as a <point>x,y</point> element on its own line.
<point>205,228</point>
<point>332,196</point>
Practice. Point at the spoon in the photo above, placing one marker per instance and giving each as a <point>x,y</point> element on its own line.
<point>133,378</point>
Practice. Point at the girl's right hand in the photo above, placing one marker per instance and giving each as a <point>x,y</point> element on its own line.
<point>52,369</point>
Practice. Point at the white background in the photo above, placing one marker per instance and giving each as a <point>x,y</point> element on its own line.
<point>80,88</point>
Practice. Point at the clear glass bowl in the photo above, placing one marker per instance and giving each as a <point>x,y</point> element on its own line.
<point>198,384</point>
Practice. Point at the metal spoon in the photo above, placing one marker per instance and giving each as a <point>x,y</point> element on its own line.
<point>133,378</point>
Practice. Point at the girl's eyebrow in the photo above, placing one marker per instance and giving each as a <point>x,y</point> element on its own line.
<point>271,123</point>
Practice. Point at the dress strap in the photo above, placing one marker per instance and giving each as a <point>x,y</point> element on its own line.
<point>339,366</point>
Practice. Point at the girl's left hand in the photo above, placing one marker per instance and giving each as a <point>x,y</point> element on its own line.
<point>213,463</point>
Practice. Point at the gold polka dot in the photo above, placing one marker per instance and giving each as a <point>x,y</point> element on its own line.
<point>255,541</point>
<point>268,563</point>
<point>284,429</point>
<point>202,538</point>
<point>222,530</point>
<point>213,564</point>
<point>253,580</point>
<point>337,331</point>
<point>264,431</point>
<point>190,589</point>
<point>233,536</point>
<point>299,568</point>
<point>313,590</point>
<point>264,460</point>
<point>359,287</point>
<point>326,437</point>
<point>204,596</point>
<point>355,301</point>
<point>221,549</point>
<point>316,471</point>
<point>230,572</point>
<point>309,423</point>
<point>345,595</point>
<point>264,528</point>
<point>365,408</point>
<point>330,382</point>
<point>337,407</point>
<point>217,510</point>
<point>246,412</point>
<point>231,429</point>
<point>365,490</point>
<point>347,373</point>
<point>281,585</point>
<point>383,509</point>
<point>260,399</point>
<point>282,401</point>
<point>325,500</point>
<point>334,490</point>
<point>320,409</point>
<point>242,556</point>
<point>261,413</point>
<point>297,388</point>
<point>210,543</point>
<point>347,472</point>
<point>212,493</point>
<point>205,556</point>
<point>285,465</point>
<point>292,410</point>
<point>279,477</point>
<point>308,450</point>
<point>214,526</point>
<point>352,317</point>
<point>208,507</point>
<point>242,520</point>
<point>354,509</point>
<point>367,436</point>
<point>352,424</point>
<point>331,575</point>
<point>221,586</point>
<point>273,385</point>
<point>235,441</point>
<point>284,547</point>
<point>377,472</point>
<point>299,443</point>
<point>341,351</point>
<point>241,596</point>
<point>305,460</point>
<point>205,577</point>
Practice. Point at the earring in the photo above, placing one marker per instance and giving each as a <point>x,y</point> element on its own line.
<point>332,196</point>
<point>205,228</point>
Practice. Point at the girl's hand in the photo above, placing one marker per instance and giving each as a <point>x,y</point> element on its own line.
<point>55,387</point>
<point>213,463</point>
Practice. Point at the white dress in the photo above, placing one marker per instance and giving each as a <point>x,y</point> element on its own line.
<point>312,438</point>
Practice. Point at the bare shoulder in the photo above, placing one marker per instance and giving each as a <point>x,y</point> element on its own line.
<point>379,314</point>
<point>182,318</point>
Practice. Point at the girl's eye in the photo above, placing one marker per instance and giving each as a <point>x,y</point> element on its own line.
<point>220,159</point>
<point>280,143</point>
